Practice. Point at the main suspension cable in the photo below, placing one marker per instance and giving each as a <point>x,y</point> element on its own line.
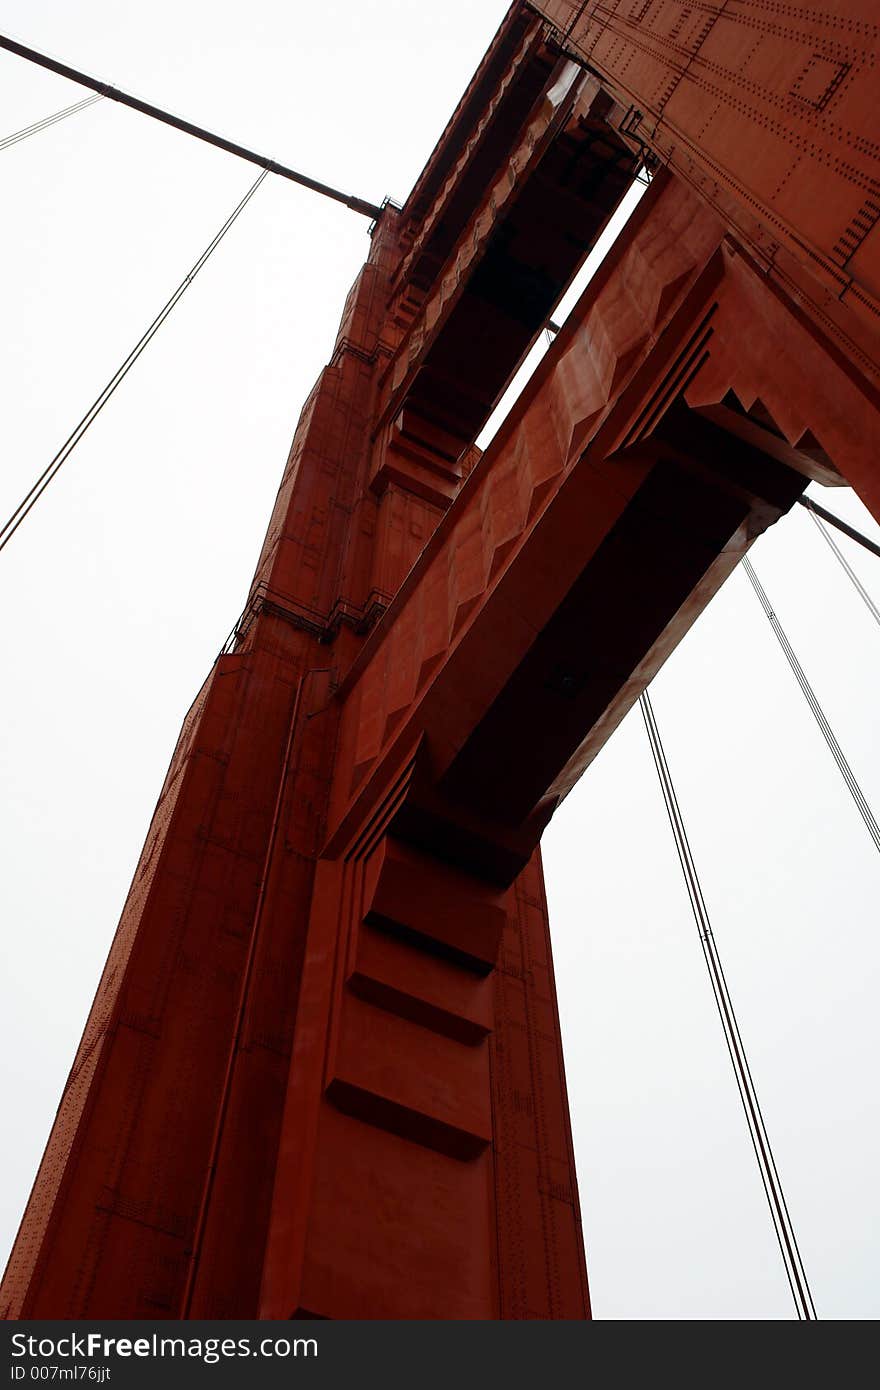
<point>157,113</point>
<point>30,499</point>
<point>48,121</point>
<point>845,564</point>
<point>782,1224</point>
<point>840,524</point>
<point>837,753</point>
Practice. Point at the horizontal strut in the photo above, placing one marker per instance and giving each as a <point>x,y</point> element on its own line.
<point>146,108</point>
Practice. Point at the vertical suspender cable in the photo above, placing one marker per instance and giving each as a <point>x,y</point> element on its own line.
<point>782,1224</point>
<point>47,121</point>
<point>845,565</point>
<point>837,753</point>
<point>53,467</point>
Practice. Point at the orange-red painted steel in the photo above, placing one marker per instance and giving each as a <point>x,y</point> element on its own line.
<point>323,1075</point>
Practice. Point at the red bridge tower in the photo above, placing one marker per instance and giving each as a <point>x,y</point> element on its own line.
<point>322,1075</point>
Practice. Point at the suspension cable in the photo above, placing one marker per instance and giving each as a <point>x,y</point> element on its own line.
<point>782,1224</point>
<point>52,469</point>
<point>841,525</point>
<point>48,121</point>
<point>837,753</point>
<point>146,108</point>
<point>845,565</point>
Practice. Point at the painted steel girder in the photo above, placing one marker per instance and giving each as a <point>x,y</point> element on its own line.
<point>654,444</point>
<point>551,194</point>
<point>770,113</point>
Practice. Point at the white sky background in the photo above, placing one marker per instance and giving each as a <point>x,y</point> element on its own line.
<point>121,587</point>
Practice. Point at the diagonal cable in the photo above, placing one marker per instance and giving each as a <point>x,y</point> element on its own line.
<point>845,565</point>
<point>837,752</point>
<point>772,1184</point>
<point>47,121</point>
<point>30,499</point>
<point>146,108</point>
<point>840,525</point>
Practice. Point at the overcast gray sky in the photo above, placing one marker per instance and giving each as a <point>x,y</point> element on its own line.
<point>122,586</point>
